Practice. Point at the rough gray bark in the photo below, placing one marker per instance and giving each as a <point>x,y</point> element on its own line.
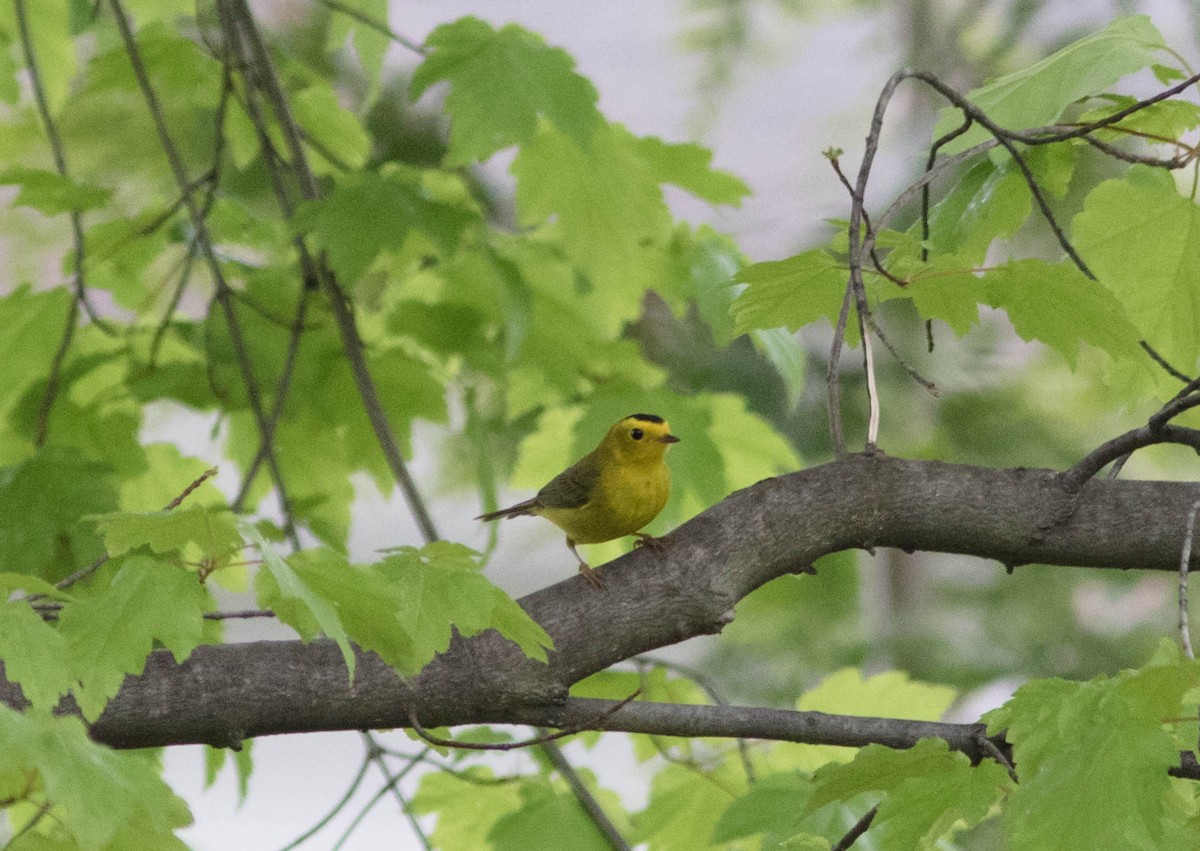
<point>223,694</point>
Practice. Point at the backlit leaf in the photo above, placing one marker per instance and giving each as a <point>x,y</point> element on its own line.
<point>501,82</point>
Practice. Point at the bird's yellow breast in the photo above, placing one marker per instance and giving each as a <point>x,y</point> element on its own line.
<point>626,497</point>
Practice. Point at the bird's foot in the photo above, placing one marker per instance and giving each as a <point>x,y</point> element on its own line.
<point>658,545</point>
<point>592,576</point>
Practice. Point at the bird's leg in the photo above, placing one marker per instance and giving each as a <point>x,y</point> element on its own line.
<point>585,570</point>
<point>656,544</point>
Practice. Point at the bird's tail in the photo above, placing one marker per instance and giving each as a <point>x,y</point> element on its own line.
<point>519,510</point>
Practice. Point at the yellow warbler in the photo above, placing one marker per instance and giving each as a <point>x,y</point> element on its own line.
<point>613,491</point>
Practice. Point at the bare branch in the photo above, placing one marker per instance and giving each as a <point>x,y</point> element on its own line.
<point>199,224</point>
<point>226,693</point>
<point>259,61</point>
<point>1124,444</point>
<point>1161,361</point>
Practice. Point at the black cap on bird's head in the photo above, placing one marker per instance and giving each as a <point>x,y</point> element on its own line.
<point>645,428</point>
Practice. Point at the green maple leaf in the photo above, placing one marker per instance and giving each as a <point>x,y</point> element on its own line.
<point>440,585</point>
<point>331,128</point>
<point>944,288</point>
<point>101,797</point>
<point>402,608</point>
<point>1142,240</point>
<point>550,819</point>
<point>371,211</point>
<point>243,765</point>
<point>1093,757</point>
<point>501,83</point>
<point>366,605</point>
<point>774,805</point>
<point>1059,305</point>
<point>34,654</point>
<point>466,811</point>
<point>214,530</point>
<point>685,807</point>
<point>792,293</point>
<point>111,633</point>
<point>687,166</point>
<point>607,207</point>
<point>987,203</point>
<point>42,506</point>
<point>295,601</point>
<point>929,791</point>
<point>1162,121</point>
<point>31,324</point>
<point>52,193</point>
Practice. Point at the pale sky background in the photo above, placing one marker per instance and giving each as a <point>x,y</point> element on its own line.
<point>815,89</point>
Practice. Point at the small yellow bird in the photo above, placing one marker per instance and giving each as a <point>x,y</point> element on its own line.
<point>613,491</point>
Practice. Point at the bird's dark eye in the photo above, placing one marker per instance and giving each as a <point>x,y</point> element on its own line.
<point>637,434</point>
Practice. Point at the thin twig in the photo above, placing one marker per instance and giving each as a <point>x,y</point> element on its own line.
<point>199,224</point>
<point>869,241</point>
<point>1096,460</point>
<point>337,808</point>
<point>239,614</point>
<point>584,795</point>
<point>375,755</point>
<point>833,379</point>
<point>911,370</point>
<point>860,827</point>
<point>588,724</point>
<point>201,479</point>
<point>1161,361</point>
<point>856,288</point>
<point>1039,136</point>
<point>930,161</point>
<point>992,749</point>
<point>1173,409</point>
<point>58,151</point>
<point>55,376</point>
<point>1185,566</point>
<point>370,805</point>
<point>1005,138</point>
<point>60,163</point>
<point>42,812</point>
<point>457,774</point>
<point>378,26</point>
<point>297,327</point>
<point>211,180</point>
<point>282,386</point>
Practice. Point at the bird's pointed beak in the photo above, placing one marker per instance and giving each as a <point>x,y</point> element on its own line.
<point>668,438</point>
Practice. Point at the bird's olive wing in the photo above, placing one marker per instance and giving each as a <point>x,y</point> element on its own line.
<point>572,487</point>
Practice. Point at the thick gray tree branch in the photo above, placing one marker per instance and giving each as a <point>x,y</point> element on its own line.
<point>223,694</point>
